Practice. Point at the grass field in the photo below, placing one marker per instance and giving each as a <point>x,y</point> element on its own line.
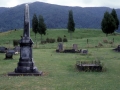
<point>59,72</point>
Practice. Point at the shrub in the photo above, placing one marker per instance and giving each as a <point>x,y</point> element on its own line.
<point>43,42</point>
<point>65,39</point>
<point>105,41</point>
<point>64,36</point>
<point>15,42</point>
<point>100,44</point>
<point>59,39</point>
<point>51,40</point>
<point>47,40</point>
<point>110,42</point>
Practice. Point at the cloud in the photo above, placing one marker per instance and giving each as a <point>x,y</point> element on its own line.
<point>82,3</point>
<point>12,3</point>
<point>86,3</point>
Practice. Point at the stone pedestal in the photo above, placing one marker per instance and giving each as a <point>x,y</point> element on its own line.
<point>26,65</point>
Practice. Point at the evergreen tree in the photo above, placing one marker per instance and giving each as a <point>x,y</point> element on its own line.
<point>41,26</point>
<point>35,25</point>
<point>108,23</point>
<point>71,24</point>
<point>114,14</point>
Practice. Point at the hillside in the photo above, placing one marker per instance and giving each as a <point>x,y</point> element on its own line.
<point>55,16</point>
<point>3,9</point>
<point>59,71</point>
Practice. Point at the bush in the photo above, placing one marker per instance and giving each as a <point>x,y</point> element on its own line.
<point>59,39</point>
<point>110,42</point>
<point>105,41</point>
<point>65,39</point>
<point>100,44</point>
<point>47,40</point>
<point>52,40</point>
<point>16,42</point>
<point>43,42</point>
<point>64,36</point>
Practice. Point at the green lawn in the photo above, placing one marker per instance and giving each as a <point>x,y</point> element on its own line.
<point>59,72</point>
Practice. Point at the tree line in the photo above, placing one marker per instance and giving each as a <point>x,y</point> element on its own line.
<point>109,24</point>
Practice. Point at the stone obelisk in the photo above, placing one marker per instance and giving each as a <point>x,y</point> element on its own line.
<point>26,65</point>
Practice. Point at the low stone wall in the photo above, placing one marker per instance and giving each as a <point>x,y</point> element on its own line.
<point>89,66</point>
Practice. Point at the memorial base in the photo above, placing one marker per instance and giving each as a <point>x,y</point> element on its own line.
<point>25,74</point>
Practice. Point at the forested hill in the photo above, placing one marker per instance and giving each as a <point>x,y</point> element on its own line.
<point>3,9</point>
<point>55,16</point>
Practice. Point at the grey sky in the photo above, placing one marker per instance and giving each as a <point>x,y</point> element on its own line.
<point>81,3</point>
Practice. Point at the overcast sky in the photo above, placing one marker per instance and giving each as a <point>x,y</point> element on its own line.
<point>81,3</point>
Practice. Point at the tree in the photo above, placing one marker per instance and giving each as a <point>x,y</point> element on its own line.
<point>113,13</point>
<point>35,25</point>
<point>71,24</point>
<point>108,23</point>
<point>41,26</point>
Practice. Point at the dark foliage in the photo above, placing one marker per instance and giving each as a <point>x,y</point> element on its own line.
<point>108,24</point>
<point>114,14</point>
<point>47,40</point>
<point>59,39</point>
<point>16,42</point>
<point>71,24</point>
<point>41,26</point>
<point>35,24</point>
<point>65,39</point>
<point>51,40</point>
<point>43,42</point>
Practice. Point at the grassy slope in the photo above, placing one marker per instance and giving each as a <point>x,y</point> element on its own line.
<point>59,69</point>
